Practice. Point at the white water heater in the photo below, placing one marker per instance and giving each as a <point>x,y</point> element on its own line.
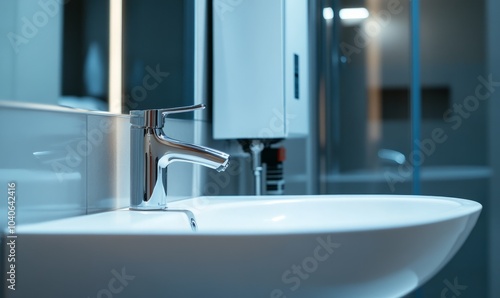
<point>260,69</point>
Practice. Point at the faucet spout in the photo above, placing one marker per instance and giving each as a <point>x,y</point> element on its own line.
<point>175,150</point>
<point>151,153</point>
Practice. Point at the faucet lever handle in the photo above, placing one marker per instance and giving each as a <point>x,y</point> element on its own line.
<point>166,112</point>
<point>156,118</point>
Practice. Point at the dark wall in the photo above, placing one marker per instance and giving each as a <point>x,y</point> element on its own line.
<point>159,38</point>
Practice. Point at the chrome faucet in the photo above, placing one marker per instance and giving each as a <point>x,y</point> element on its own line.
<point>152,151</point>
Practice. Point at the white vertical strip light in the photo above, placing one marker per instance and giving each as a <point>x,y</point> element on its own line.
<point>200,87</point>
<point>115,55</point>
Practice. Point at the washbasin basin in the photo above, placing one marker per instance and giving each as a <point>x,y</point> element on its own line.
<point>279,246</point>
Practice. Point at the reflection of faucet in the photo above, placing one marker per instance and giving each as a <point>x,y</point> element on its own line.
<point>152,151</point>
<point>392,156</point>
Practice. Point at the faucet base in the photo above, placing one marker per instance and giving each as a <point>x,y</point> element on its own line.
<point>138,208</point>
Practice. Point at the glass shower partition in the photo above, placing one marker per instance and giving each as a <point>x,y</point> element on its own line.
<point>365,114</point>
<point>403,109</point>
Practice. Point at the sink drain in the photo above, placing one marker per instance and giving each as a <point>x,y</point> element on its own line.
<point>193,224</point>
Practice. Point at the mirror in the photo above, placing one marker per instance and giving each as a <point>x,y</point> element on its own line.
<point>57,52</point>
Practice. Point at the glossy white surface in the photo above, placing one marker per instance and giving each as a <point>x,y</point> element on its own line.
<point>311,246</point>
<point>313,214</point>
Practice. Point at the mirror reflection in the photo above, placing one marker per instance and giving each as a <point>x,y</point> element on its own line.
<point>55,53</point>
<point>58,52</point>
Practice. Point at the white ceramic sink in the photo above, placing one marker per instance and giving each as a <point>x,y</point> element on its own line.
<point>301,246</point>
